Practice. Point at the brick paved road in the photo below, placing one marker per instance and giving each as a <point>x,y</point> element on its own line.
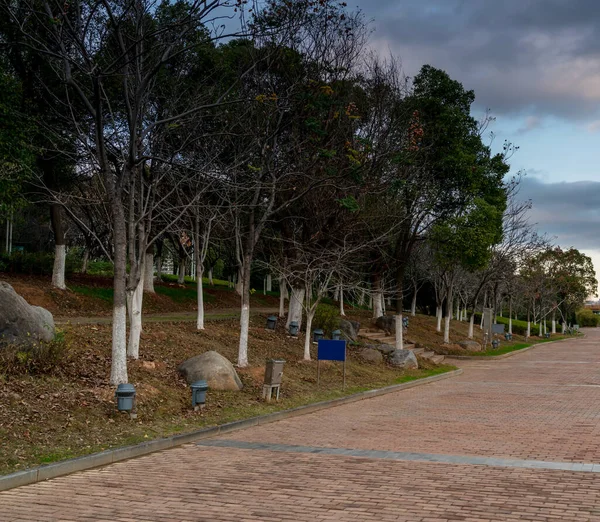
<point>515,439</point>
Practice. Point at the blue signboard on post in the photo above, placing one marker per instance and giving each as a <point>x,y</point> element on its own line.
<point>330,350</point>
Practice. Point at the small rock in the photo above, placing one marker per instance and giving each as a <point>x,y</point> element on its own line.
<point>404,359</point>
<point>213,368</point>
<point>371,355</point>
<point>349,332</point>
<point>149,365</point>
<point>385,349</point>
<point>470,346</point>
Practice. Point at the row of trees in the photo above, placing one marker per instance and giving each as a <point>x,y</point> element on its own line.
<point>269,129</point>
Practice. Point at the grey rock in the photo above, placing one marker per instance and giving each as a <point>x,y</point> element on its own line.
<point>386,349</point>
<point>371,355</point>
<point>349,332</point>
<point>471,346</point>
<point>387,323</point>
<point>404,359</point>
<point>21,323</point>
<point>213,368</point>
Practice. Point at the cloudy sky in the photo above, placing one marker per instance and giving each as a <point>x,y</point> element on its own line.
<point>536,65</point>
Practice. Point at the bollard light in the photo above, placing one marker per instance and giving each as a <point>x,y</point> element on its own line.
<point>336,335</point>
<point>495,343</point>
<point>293,329</point>
<point>508,336</point>
<point>317,334</point>
<point>271,322</point>
<point>125,396</point>
<point>199,389</point>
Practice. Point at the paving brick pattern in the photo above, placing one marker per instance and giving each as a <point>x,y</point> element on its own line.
<point>540,405</point>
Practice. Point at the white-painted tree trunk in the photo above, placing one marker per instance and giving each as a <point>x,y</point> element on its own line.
<point>135,328</point>
<point>336,293</point>
<point>361,297</point>
<point>58,270</point>
<point>448,317</point>
<point>471,325</point>
<point>370,302</point>
<point>413,304</point>
<point>244,329</point>
<point>510,316</point>
<point>528,334</point>
<point>210,277</point>
<point>200,298</point>
<point>269,283</point>
<point>399,332</point>
<point>342,313</point>
<point>308,337</point>
<point>149,273</point>
<point>438,315</point>
<point>118,369</point>
<point>295,307</point>
<point>458,310</point>
<point>377,305</point>
<point>564,328</point>
<point>553,322</point>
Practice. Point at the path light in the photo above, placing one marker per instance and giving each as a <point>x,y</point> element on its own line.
<point>495,343</point>
<point>271,322</point>
<point>125,396</point>
<point>336,335</point>
<point>508,336</point>
<point>293,329</point>
<point>317,334</point>
<point>199,389</point>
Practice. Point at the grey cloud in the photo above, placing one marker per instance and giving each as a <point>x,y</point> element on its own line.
<point>568,210</point>
<point>518,55</point>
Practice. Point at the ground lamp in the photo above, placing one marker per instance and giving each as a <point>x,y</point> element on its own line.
<point>336,335</point>
<point>273,376</point>
<point>293,328</point>
<point>125,396</point>
<point>271,322</point>
<point>495,343</point>
<point>317,334</point>
<point>508,336</point>
<point>198,394</point>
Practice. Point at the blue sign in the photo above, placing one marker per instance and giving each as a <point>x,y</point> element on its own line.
<point>329,350</point>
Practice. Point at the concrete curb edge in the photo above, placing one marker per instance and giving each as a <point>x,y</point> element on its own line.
<point>66,467</point>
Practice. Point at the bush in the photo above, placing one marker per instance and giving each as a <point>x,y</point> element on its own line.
<point>326,318</point>
<point>586,317</point>
<point>100,268</point>
<point>36,359</point>
<point>36,263</point>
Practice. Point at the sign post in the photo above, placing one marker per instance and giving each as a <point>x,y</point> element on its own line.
<point>330,350</point>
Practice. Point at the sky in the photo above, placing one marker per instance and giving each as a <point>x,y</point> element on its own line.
<point>535,64</point>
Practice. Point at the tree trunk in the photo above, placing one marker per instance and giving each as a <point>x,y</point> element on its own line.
<point>510,316</point>
<point>239,283</point>
<point>182,268</point>
<point>448,316</point>
<point>210,277</point>
<point>471,324</point>
<point>118,371</point>
<point>60,248</point>
<point>553,322</point>
<point>413,305</point>
<point>377,297</point>
<point>269,283</point>
<point>86,260</point>
<point>336,293</point>
<point>149,271</point>
<point>308,337</point>
<point>199,273</point>
<point>159,260</point>
<point>135,330</point>
<point>295,307</point>
<point>564,327</point>
<point>282,292</point>
<point>438,313</point>
<point>342,313</point>
<point>458,309</point>
<point>528,334</point>
<point>399,332</point>
<point>245,313</point>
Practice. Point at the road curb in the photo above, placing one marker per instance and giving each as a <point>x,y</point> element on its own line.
<point>509,354</point>
<point>31,476</point>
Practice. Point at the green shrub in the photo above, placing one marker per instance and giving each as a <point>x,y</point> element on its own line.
<point>586,317</point>
<point>100,268</point>
<point>327,318</point>
<point>35,263</point>
<point>36,359</point>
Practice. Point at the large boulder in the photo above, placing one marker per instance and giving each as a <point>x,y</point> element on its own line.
<point>403,359</point>
<point>213,368</point>
<point>348,329</point>
<point>387,323</point>
<point>371,355</point>
<point>470,346</point>
<point>21,323</point>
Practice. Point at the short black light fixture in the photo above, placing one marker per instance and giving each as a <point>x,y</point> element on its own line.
<point>293,328</point>
<point>317,334</point>
<point>336,335</point>
<point>125,396</point>
<point>495,343</point>
<point>271,322</point>
<point>508,336</point>
<point>199,389</point>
